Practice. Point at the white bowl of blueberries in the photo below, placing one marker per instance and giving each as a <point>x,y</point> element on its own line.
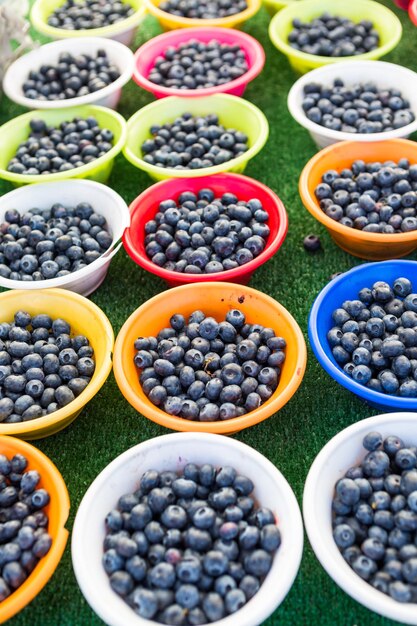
<point>360,513</point>
<point>70,72</point>
<point>207,542</point>
<point>60,234</point>
<point>356,100</point>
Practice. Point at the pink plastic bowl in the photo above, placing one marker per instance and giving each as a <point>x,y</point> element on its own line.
<point>145,206</point>
<point>145,60</point>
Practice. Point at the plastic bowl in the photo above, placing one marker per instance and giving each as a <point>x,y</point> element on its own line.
<point>85,318</point>
<point>372,246</point>
<point>346,287</point>
<point>145,60</point>
<point>215,299</point>
<point>123,31</point>
<point>386,23</point>
<point>233,112</point>
<point>385,75</point>
<point>402,4</point>
<point>337,456</point>
<point>173,452</point>
<point>145,206</point>
<point>48,54</point>
<point>273,6</point>
<point>57,511</point>
<point>16,131</point>
<point>104,200</point>
<point>172,22</point>
<point>412,11</point>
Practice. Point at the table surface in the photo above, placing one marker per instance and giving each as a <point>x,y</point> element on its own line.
<point>290,439</point>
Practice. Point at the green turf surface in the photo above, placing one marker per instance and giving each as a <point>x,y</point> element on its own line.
<point>290,439</point>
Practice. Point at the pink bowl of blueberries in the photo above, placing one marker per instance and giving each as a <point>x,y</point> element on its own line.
<point>172,64</point>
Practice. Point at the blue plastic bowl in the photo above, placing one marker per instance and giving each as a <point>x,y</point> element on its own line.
<point>346,287</point>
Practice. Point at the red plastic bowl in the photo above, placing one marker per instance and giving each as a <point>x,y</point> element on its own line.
<point>145,60</point>
<point>412,11</point>
<point>145,206</point>
<point>403,4</point>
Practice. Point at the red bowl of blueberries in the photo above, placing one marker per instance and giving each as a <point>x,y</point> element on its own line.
<point>220,227</point>
<point>173,64</point>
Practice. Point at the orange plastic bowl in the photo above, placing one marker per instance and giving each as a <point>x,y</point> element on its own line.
<point>372,246</point>
<point>169,21</point>
<point>57,511</point>
<point>145,206</point>
<point>215,299</point>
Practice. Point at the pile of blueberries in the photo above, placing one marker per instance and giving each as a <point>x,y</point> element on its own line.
<point>375,516</point>
<point>207,370</point>
<point>42,368</point>
<point>375,338</point>
<point>203,9</point>
<point>49,243</point>
<point>189,548</point>
<point>374,197</point>
<point>72,77</point>
<point>199,65</point>
<point>87,14</point>
<point>361,108</point>
<point>202,234</point>
<point>193,143</point>
<point>24,538</point>
<point>50,149</point>
<point>333,36</point>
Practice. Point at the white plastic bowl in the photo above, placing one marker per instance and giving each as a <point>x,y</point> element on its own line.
<point>173,452</point>
<point>384,75</point>
<point>48,54</point>
<point>70,192</point>
<point>337,456</point>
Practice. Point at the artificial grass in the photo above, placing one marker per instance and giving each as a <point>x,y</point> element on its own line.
<point>290,439</point>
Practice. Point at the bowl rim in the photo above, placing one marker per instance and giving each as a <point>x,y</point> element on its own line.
<point>296,8</point>
<point>364,393</point>
<point>235,424</point>
<point>48,564</point>
<point>245,41</point>
<point>105,31</point>
<point>46,421</point>
<point>187,22</point>
<point>296,111</point>
<point>75,172</point>
<point>170,172</point>
<point>190,439</point>
<point>313,207</point>
<point>104,258</point>
<point>110,45</point>
<point>412,11</point>
<point>322,544</point>
<point>270,249</point>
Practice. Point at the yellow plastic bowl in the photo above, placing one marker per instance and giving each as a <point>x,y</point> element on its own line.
<point>123,31</point>
<point>371,246</point>
<point>233,112</point>
<point>57,511</point>
<point>85,318</point>
<point>17,130</point>
<point>214,299</point>
<point>385,21</point>
<point>171,22</point>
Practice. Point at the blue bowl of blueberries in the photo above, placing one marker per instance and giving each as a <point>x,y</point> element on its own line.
<point>210,542</point>
<point>363,330</point>
<point>359,509</point>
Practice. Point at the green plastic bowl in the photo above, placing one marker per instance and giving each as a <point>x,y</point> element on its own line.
<point>17,130</point>
<point>386,23</point>
<point>233,112</point>
<point>123,31</point>
<point>273,6</point>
